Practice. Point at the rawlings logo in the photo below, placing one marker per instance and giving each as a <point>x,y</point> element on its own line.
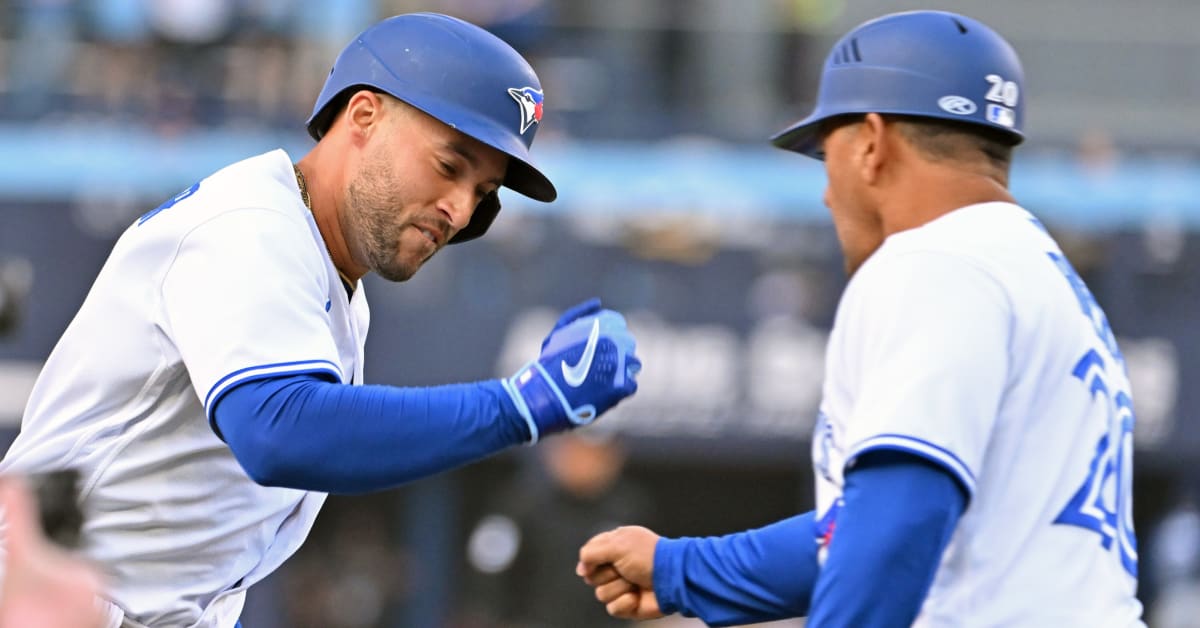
<point>530,100</point>
<point>957,105</point>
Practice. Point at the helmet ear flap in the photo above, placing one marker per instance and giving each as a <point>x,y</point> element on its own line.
<point>485,213</point>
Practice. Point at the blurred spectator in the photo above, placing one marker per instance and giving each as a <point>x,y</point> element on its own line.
<point>623,68</point>
<point>172,64</point>
<point>1175,558</point>
<point>41,56</point>
<point>112,70</point>
<point>523,549</point>
<point>192,37</point>
<point>16,279</point>
<point>1097,154</point>
<point>350,574</point>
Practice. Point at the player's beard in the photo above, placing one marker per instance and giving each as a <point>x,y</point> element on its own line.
<point>375,227</point>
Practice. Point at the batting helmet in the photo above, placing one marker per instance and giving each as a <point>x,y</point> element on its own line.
<point>931,64</point>
<point>458,73</point>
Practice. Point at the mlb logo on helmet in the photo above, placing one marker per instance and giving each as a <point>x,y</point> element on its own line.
<point>1001,115</point>
<point>530,101</point>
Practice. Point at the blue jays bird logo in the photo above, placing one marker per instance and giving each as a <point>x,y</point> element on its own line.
<point>530,101</point>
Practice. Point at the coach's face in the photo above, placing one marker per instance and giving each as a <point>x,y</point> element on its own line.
<point>849,169</point>
<point>417,184</point>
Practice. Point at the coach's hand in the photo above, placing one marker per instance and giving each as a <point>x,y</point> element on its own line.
<point>619,564</point>
<point>587,365</point>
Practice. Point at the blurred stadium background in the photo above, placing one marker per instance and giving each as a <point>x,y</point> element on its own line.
<point>672,208</point>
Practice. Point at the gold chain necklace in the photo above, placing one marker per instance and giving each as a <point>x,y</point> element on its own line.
<point>300,183</point>
<point>303,185</point>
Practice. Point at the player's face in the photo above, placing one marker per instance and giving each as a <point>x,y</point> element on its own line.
<point>417,185</point>
<point>855,219</point>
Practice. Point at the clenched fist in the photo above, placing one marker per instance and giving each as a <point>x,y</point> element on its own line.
<point>619,564</point>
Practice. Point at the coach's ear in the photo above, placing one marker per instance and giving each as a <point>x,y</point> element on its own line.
<point>872,146</point>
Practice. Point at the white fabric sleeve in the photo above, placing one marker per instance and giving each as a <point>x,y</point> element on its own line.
<point>244,298</point>
<point>929,337</point>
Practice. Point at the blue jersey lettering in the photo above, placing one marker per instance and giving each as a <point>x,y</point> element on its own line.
<point>1103,504</point>
<point>1089,306</point>
<point>169,203</point>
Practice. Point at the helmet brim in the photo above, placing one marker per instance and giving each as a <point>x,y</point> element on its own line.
<point>522,177</point>
<point>802,137</point>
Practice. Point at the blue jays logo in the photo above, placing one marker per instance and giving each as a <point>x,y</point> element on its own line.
<point>530,101</point>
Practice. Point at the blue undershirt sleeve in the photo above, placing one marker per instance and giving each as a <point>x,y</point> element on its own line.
<point>899,514</point>
<point>304,432</point>
<point>741,578</point>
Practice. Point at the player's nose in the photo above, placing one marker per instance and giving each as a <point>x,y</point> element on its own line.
<point>826,198</point>
<point>458,204</point>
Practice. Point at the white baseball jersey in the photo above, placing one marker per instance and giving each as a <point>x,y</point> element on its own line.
<point>228,281</point>
<point>971,342</point>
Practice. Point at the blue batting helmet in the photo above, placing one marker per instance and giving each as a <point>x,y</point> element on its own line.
<point>931,64</point>
<point>458,73</point>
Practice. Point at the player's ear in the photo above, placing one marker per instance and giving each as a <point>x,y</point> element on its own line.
<point>871,146</point>
<point>364,111</point>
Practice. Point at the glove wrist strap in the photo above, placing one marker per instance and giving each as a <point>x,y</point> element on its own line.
<point>537,401</point>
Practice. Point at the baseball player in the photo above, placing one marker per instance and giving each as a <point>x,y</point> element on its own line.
<point>209,391</point>
<point>973,451</point>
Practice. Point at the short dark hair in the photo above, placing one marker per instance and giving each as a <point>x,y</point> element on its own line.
<point>943,140</point>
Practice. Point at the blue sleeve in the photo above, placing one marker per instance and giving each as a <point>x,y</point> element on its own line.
<point>302,432</point>
<point>899,513</point>
<point>742,578</point>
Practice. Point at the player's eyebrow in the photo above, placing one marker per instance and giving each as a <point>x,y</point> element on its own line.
<point>466,153</point>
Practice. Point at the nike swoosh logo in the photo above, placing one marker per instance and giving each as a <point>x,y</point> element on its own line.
<point>576,374</point>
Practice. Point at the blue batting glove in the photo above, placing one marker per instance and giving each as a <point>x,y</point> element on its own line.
<point>587,365</point>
